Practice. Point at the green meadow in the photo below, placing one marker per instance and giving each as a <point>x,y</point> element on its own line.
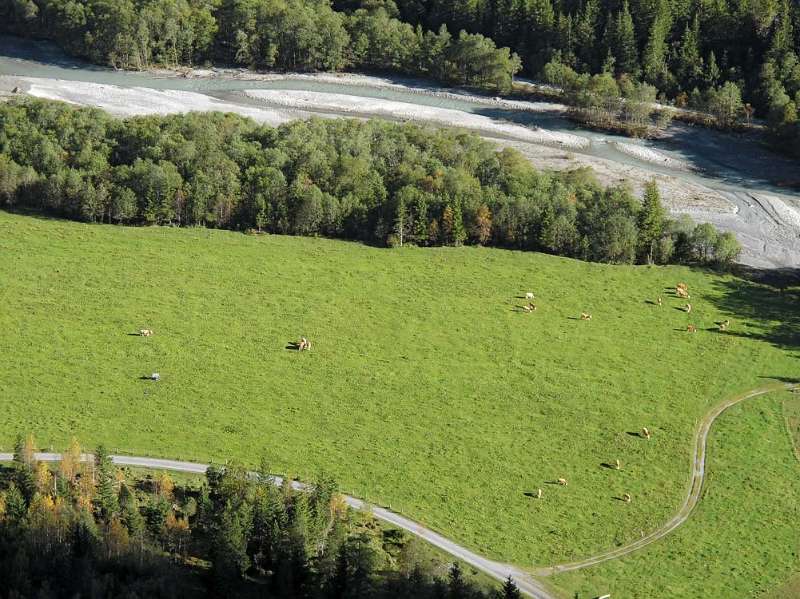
<point>427,388</point>
<point>741,541</point>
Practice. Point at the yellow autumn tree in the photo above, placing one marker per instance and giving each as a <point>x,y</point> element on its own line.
<point>29,450</point>
<point>176,533</point>
<point>70,462</point>
<point>44,479</point>
<point>165,486</point>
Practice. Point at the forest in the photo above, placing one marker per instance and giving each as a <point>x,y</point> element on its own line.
<point>296,35</point>
<point>376,182</point>
<point>737,60</point>
<point>91,529</point>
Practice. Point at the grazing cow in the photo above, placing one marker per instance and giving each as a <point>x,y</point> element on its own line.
<point>538,494</point>
<point>723,326</point>
<point>683,286</point>
<point>155,376</point>
<point>645,432</point>
<point>690,328</point>
<point>617,465</point>
<point>688,308</point>
<point>304,344</point>
<point>586,316</point>
<point>145,332</point>
<point>626,497</point>
<point>531,307</point>
<point>562,482</point>
<point>658,301</point>
<point>529,295</point>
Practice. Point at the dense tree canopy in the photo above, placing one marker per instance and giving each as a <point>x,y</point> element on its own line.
<point>89,529</point>
<point>373,181</point>
<point>300,35</point>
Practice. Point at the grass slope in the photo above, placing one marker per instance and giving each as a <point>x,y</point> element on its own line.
<point>425,389</point>
<point>742,539</point>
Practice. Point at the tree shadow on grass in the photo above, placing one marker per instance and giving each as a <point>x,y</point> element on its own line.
<point>762,306</point>
<point>783,379</point>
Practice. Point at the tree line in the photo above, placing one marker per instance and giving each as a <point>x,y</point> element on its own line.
<point>297,35</point>
<point>90,529</point>
<point>377,182</point>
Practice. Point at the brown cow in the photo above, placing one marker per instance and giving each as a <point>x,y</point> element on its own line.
<point>586,316</point>
<point>691,328</point>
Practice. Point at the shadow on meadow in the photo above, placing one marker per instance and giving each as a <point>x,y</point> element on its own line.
<point>768,301</point>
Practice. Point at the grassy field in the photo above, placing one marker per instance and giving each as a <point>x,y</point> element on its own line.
<point>427,389</point>
<point>791,411</point>
<point>742,539</point>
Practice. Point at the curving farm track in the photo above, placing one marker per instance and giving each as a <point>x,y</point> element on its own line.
<point>526,583</point>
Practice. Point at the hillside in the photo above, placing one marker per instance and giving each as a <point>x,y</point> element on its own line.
<point>427,387</point>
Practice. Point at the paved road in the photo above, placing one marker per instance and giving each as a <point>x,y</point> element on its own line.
<point>526,583</point>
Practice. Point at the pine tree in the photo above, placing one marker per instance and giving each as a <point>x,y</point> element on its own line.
<point>586,34</point>
<point>625,49</point>
<point>16,507</point>
<point>456,585</point>
<point>782,38</point>
<point>654,65</point>
<point>688,62</point>
<point>539,27</point>
<point>712,73</point>
<point>651,223</point>
<point>510,590</point>
<point>106,501</point>
<point>129,512</point>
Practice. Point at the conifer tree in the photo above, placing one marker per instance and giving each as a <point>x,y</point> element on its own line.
<point>625,49</point>
<point>456,585</point>
<point>651,223</point>
<point>106,501</point>
<point>129,512</point>
<point>654,65</point>
<point>510,590</point>
<point>688,61</point>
